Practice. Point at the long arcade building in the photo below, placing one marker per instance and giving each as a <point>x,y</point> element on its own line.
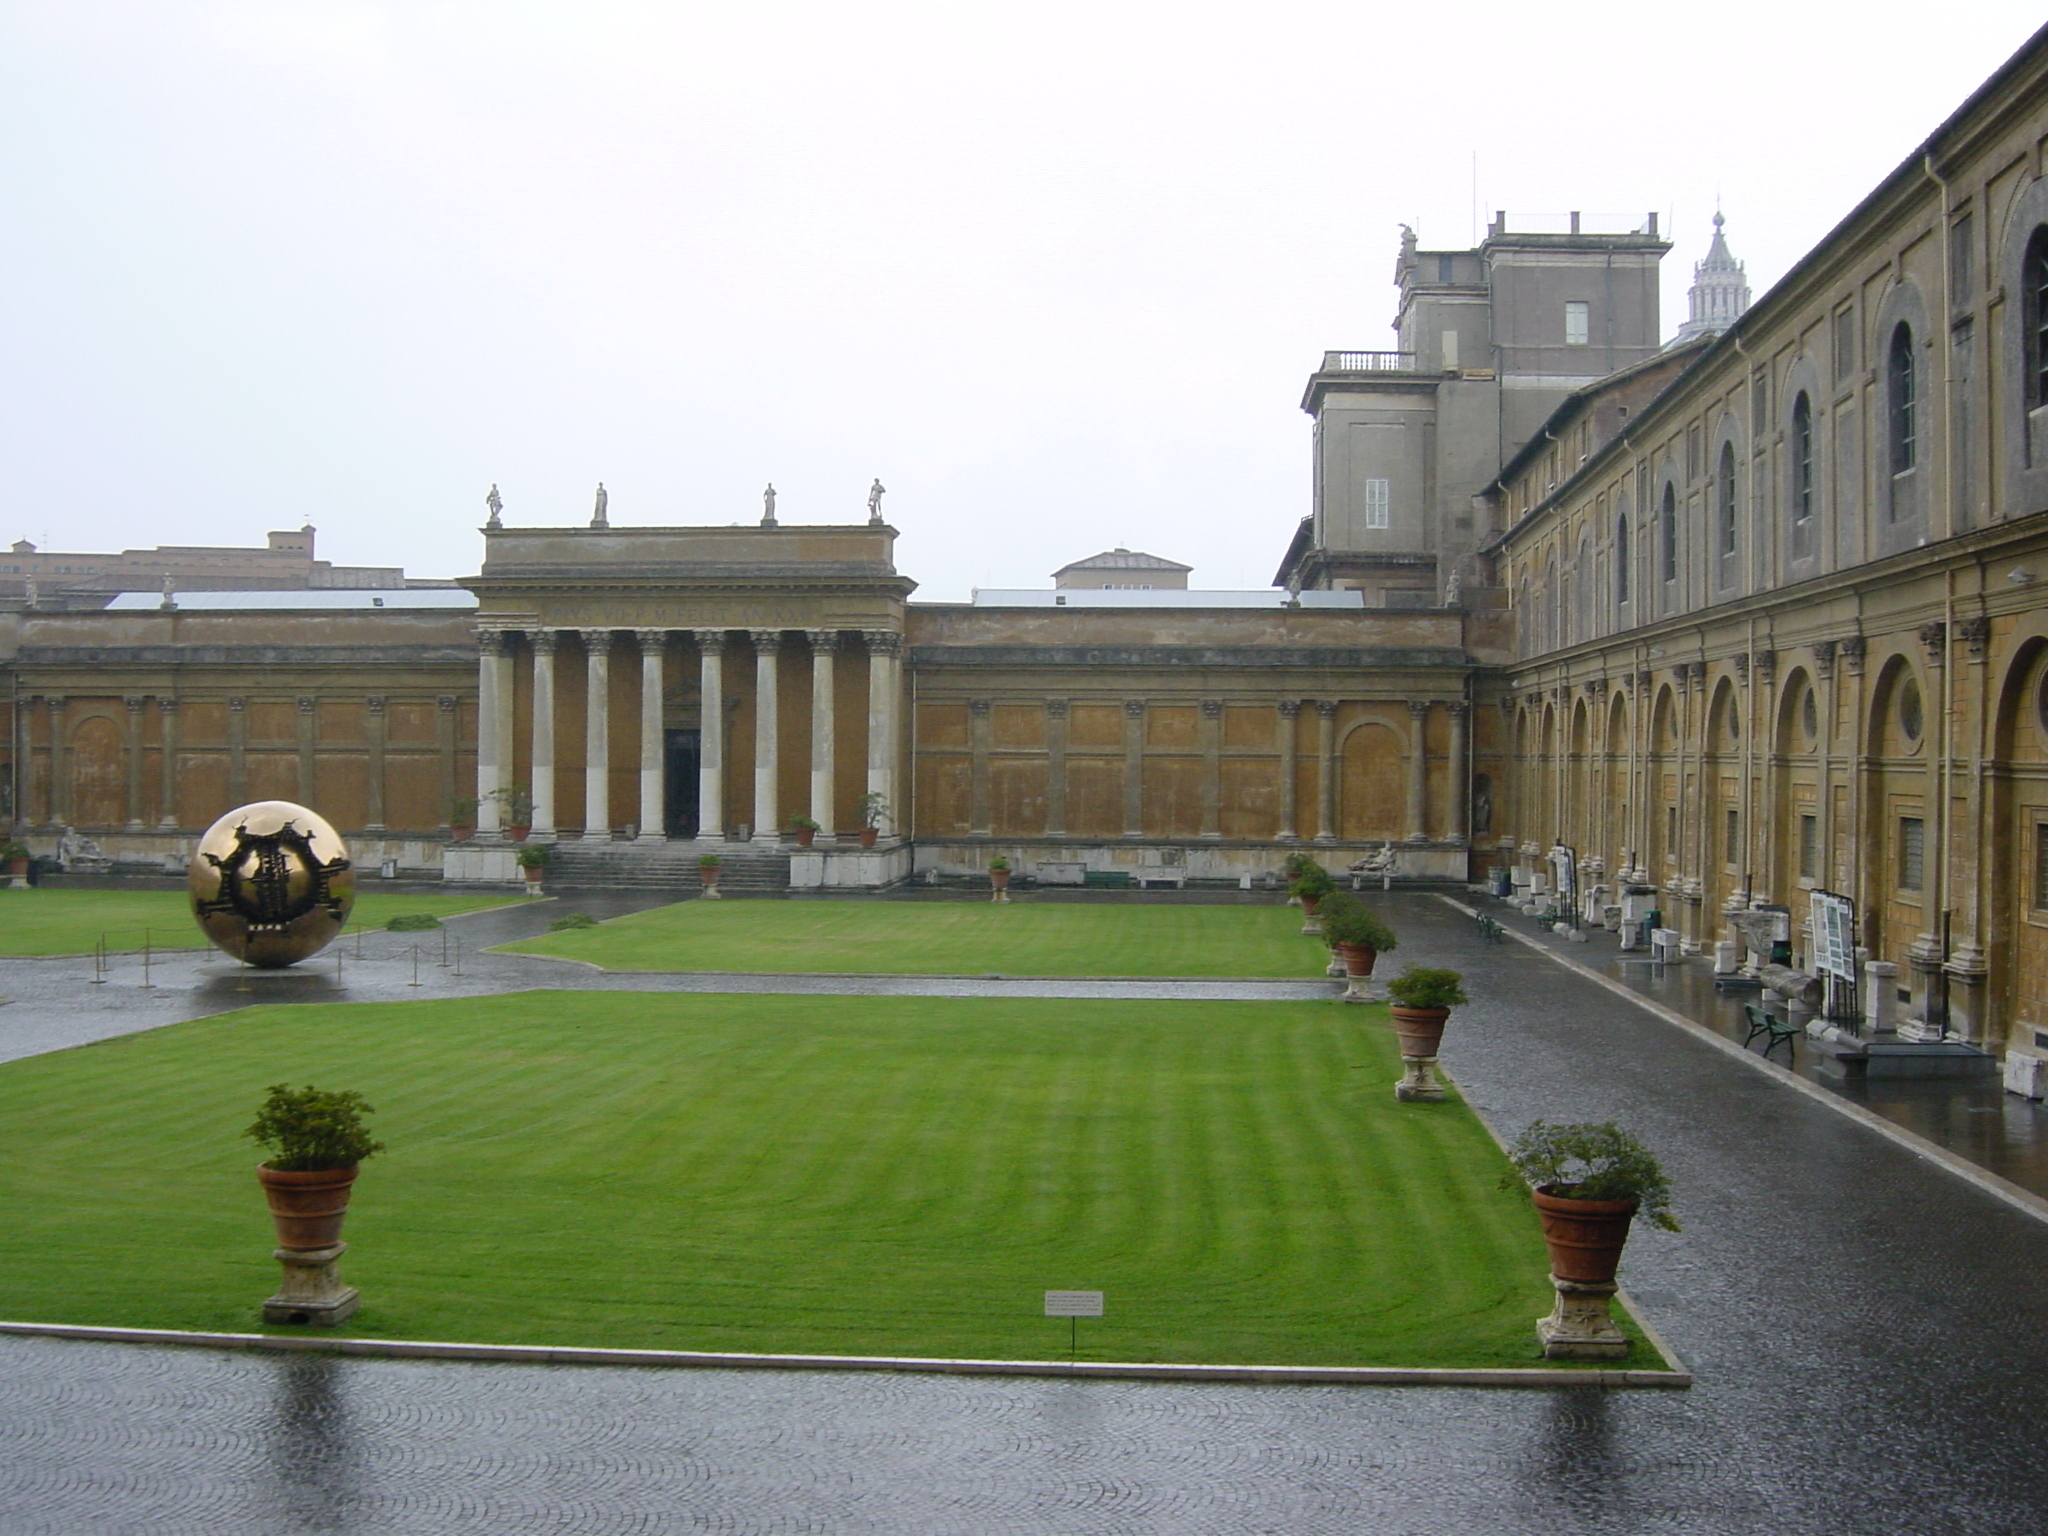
<point>1753,613</point>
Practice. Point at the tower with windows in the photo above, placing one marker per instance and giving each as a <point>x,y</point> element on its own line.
<point>1719,292</point>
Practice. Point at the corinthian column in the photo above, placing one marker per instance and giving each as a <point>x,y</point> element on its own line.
<point>884,646</point>
<point>653,753</point>
<point>711,736</point>
<point>1326,771</point>
<point>1418,770</point>
<point>767,710</point>
<point>543,828</point>
<point>493,728</point>
<point>597,733</point>
<point>1461,769</point>
<point>823,643</point>
<point>1290,710</point>
<point>167,765</point>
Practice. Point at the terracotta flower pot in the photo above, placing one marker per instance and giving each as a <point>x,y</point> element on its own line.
<point>17,866</point>
<point>307,1207</point>
<point>461,831</point>
<point>1358,958</point>
<point>708,873</point>
<point>1585,1236</point>
<point>518,831</point>
<point>1308,905</point>
<point>1421,1029</point>
<point>868,836</point>
<point>804,836</point>
<point>533,872</point>
<point>999,878</point>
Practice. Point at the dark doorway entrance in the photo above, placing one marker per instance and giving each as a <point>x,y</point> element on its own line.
<point>681,753</point>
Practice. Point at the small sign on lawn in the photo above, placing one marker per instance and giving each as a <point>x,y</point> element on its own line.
<point>1073,1303</point>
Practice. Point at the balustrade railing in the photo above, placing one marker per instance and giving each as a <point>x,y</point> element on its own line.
<point>1368,362</point>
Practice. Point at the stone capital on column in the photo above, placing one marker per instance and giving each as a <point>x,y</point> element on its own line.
<point>134,703</point>
<point>597,641</point>
<point>375,703</point>
<point>882,642</point>
<point>1212,709</point>
<point>165,705</point>
<point>822,641</point>
<point>979,706</point>
<point>1056,709</point>
<point>1134,708</point>
<point>543,642</point>
<point>1289,708</point>
<point>710,641</point>
<point>306,704</point>
<point>1327,708</point>
<point>1418,707</point>
<point>491,641</point>
<point>1457,708</point>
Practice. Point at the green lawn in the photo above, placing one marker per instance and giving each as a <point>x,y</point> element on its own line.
<point>59,922</point>
<point>840,1175</point>
<point>963,938</point>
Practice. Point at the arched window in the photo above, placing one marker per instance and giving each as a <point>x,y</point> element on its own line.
<point>1903,387</point>
<point>1621,561</point>
<point>1667,521</point>
<point>2034,296</point>
<point>1724,498</point>
<point>1802,458</point>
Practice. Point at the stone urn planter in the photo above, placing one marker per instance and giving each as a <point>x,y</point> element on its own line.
<point>999,879</point>
<point>707,874</point>
<point>533,867</point>
<point>317,1140</point>
<point>1356,937</point>
<point>1423,997</point>
<point>1587,1183</point>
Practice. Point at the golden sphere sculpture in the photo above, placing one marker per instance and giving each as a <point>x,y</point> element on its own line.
<point>271,883</point>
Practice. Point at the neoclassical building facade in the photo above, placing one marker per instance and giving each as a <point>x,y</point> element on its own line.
<point>1748,615</point>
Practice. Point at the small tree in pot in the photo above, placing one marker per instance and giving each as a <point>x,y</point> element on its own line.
<point>1357,937</point>
<point>1309,888</point>
<point>533,863</point>
<point>999,878</point>
<point>1423,997</point>
<point>874,809</point>
<point>316,1139</point>
<point>518,810</point>
<point>1588,1181</point>
<point>1292,868</point>
<point>708,866</point>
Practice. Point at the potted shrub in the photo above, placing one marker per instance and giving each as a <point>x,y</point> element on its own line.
<point>1291,869</point>
<point>874,809</point>
<point>518,804</point>
<point>533,862</point>
<point>462,817</point>
<point>1309,888</point>
<point>708,865</point>
<point>1588,1181</point>
<point>999,878</point>
<point>1423,997</point>
<point>316,1138</point>
<point>1354,932</point>
<point>804,828</point>
<point>14,857</point>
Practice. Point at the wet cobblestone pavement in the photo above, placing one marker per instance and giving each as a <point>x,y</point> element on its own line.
<point>1870,1336</point>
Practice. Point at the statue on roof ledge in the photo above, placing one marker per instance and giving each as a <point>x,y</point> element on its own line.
<point>496,504</point>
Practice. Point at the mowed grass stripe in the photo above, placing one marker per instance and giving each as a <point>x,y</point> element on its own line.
<point>72,922</point>
<point>952,938</point>
<point>844,1175</point>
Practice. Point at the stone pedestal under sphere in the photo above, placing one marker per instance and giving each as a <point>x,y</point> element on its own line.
<point>271,883</point>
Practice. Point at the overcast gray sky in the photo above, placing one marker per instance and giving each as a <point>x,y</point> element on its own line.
<point>1055,273</point>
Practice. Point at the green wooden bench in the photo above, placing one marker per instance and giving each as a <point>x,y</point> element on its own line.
<point>1764,1022</point>
<point>1490,931</point>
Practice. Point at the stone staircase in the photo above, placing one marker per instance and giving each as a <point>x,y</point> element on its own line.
<point>745,870</point>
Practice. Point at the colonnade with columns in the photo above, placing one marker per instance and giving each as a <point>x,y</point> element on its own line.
<point>496,746</point>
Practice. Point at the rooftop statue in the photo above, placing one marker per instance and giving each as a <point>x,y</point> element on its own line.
<point>875,502</point>
<point>496,503</point>
<point>597,514</point>
<point>768,506</point>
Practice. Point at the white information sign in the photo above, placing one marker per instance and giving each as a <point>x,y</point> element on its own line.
<point>1834,936</point>
<point>1073,1304</point>
<point>1565,863</point>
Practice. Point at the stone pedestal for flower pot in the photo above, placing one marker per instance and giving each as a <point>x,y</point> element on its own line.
<point>1579,1327</point>
<point>709,877</point>
<point>1355,962</point>
<point>1418,1084</point>
<point>312,1294</point>
<point>999,885</point>
<point>1310,928</point>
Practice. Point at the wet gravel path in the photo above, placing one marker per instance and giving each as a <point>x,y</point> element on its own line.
<point>1870,1336</point>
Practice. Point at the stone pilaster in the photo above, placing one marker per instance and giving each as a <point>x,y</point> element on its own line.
<point>543,753</point>
<point>767,733</point>
<point>167,764</point>
<point>1326,770</point>
<point>131,743</point>
<point>1212,768</point>
<point>493,728</point>
<point>1055,767</point>
<point>1134,767</point>
<point>885,652</point>
<point>978,733</point>
<point>309,747</point>
<point>1418,770</point>
<point>1290,812</point>
<point>374,728</point>
<point>597,733</point>
<point>824,730</point>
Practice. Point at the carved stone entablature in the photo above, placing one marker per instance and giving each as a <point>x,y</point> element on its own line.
<point>1854,648</point>
<point>1824,659</point>
<point>1975,633</point>
<point>1056,708</point>
<point>1289,708</point>
<point>1212,709</point>
<point>1934,639</point>
<point>1765,664</point>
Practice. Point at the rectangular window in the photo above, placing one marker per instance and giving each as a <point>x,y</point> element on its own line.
<point>1845,344</point>
<point>1809,847</point>
<point>1375,503</point>
<point>1912,853</point>
<point>1578,323</point>
<point>1443,269</point>
<point>1734,837</point>
<point>1671,834</point>
<point>2041,865</point>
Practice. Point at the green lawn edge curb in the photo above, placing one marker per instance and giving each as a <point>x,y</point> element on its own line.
<point>541,1354</point>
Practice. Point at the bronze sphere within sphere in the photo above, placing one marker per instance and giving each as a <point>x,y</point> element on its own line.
<point>271,883</point>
